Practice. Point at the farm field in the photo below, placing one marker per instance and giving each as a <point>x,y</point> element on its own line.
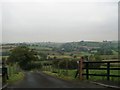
<point>64,59</point>
<point>59,43</point>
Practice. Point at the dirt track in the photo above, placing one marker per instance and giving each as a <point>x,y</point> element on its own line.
<point>41,80</point>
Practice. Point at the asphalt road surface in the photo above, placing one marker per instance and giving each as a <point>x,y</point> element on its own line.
<point>41,80</point>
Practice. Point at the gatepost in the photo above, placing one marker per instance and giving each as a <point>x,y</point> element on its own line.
<point>81,68</point>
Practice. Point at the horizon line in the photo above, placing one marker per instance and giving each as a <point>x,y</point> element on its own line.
<point>58,41</point>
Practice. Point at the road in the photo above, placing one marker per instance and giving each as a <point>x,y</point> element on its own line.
<point>41,80</point>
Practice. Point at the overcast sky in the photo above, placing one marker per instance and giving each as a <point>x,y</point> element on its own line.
<point>59,20</point>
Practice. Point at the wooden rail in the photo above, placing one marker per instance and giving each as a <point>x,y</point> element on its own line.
<point>108,69</point>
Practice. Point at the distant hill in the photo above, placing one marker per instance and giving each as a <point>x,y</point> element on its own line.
<point>70,46</point>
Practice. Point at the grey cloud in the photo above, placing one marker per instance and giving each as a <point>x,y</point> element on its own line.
<point>59,21</point>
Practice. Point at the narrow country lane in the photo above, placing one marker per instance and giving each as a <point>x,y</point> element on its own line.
<point>41,80</point>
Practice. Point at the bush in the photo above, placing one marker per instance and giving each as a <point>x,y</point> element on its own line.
<point>55,63</point>
<point>47,63</point>
<point>93,65</point>
<point>65,64</point>
<point>94,58</point>
<point>72,64</point>
<point>32,66</point>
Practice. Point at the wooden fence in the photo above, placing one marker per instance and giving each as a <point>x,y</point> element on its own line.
<point>107,68</point>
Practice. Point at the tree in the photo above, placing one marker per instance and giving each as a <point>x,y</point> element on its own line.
<point>74,56</point>
<point>71,54</point>
<point>23,56</point>
<point>105,49</point>
<point>91,58</point>
<point>95,58</point>
<point>68,47</point>
<point>43,56</point>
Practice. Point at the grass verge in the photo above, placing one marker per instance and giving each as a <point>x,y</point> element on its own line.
<point>60,76</point>
<point>16,77</point>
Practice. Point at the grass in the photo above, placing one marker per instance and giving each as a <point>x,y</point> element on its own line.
<point>60,56</point>
<point>109,57</point>
<point>41,48</point>
<point>15,77</point>
<point>59,76</point>
<point>14,73</point>
<point>61,73</point>
<point>70,74</point>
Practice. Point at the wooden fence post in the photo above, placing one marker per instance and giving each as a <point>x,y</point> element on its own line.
<point>108,71</point>
<point>81,68</point>
<point>66,67</point>
<point>87,71</point>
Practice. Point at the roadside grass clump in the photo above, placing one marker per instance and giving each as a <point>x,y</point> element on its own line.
<point>61,76</point>
<point>15,77</point>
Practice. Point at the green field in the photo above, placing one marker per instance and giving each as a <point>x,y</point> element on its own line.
<point>70,52</point>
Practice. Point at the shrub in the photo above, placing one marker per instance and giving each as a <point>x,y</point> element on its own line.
<point>65,64</point>
<point>72,64</point>
<point>32,66</point>
<point>95,58</point>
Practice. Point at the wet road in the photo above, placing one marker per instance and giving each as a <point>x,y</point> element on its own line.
<point>41,80</point>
